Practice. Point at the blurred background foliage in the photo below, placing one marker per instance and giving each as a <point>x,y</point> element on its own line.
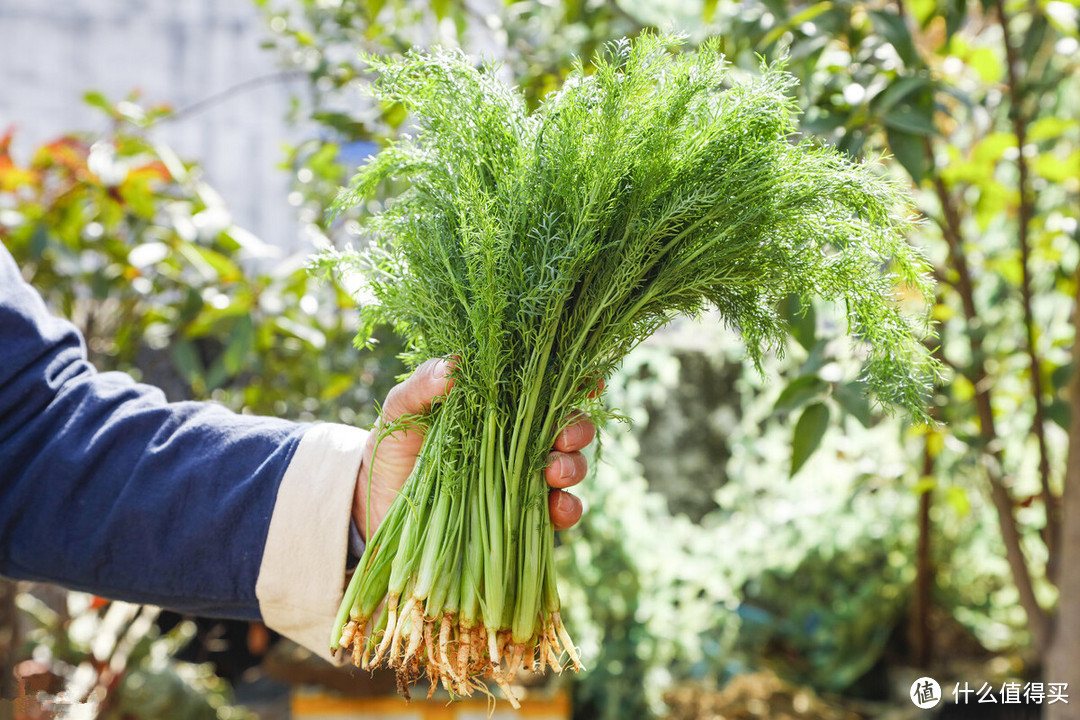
<point>743,523</point>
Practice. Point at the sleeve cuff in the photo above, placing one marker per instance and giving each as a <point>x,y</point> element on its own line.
<point>302,574</point>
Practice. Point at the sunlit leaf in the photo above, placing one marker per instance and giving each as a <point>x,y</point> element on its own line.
<point>957,498</point>
<point>1053,168</point>
<point>1048,128</point>
<point>892,27</point>
<point>312,336</point>
<point>794,21</point>
<point>987,64</point>
<point>337,384</point>
<point>95,98</point>
<point>210,263</point>
<point>925,484</point>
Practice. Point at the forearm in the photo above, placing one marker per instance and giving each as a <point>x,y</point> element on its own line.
<point>106,487</point>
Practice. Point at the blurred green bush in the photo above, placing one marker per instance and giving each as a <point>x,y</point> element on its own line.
<point>127,240</point>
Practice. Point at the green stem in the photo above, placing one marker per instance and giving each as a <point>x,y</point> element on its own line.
<point>491,495</point>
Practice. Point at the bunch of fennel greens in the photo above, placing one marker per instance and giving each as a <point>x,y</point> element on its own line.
<point>538,248</point>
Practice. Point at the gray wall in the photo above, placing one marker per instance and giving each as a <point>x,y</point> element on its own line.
<point>175,51</point>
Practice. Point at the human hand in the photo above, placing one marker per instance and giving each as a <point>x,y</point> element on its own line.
<point>398,451</point>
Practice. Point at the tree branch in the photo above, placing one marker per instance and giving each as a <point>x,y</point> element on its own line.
<point>230,92</point>
<point>1064,661</point>
<point>1038,620</point>
<point>1051,531</point>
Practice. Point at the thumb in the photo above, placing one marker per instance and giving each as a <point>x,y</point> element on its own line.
<point>428,382</point>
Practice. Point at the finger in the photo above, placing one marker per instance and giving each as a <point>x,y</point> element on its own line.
<point>576,435</point>
<point>429,381</point>
<point>565,469</point>
<point>565,509</point>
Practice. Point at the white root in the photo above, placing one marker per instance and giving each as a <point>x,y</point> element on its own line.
<point>567,643</point>
<point>515,662</point>
<point>444,643</point>
<point>493,648</point>
<point>505,687</point>
<point>395,644</point>
<point>463,659</point>
<point>358,653</point>
<point>347,634</point>
<point>541,660</point>
<point>429,643</point>
<point>416,630</point>
<point>553,639</point>
<point>464,652</point>
<point>391,624</point>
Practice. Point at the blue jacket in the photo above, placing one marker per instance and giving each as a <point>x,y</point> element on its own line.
<point>108,488</point>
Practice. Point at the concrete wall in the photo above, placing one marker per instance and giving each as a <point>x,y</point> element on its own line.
<point>175,51</point>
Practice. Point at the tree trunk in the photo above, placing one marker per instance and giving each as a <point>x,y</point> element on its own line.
<point>1063,661</point>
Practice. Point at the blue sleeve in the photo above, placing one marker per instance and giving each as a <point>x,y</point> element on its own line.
<point>106,487</point>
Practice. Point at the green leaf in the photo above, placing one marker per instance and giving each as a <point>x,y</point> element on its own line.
<point>186,360</point>
<point>794,21</point>
<point>990,149</point>
<point>987,64</point>
<point>910,151</point>
<point>922,10</point>
<point>310,335</point>
<point>955,13</point>
<point>1035,33</point>
<point>893,28</point>
<point>1053,168</point>
<point>924,485</point>
<point>897,91</point>
<point>854,400</point>
<point>915,120</point>
<point>709,10</point>
<point>802,321</point>
<point>95,98</point>
<point>808,433</point>
<point>211,264</point>
<point>1061,375</point>
<point>957,498</point>
<point>1059,413</point>
<point>1049,128</point>
<point>240,344</point>
<point>394,114</point>
<point>339,383</point>
<point>799,391</point>
<point>374,7</point>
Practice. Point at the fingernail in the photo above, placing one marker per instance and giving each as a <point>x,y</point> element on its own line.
<point>566,502</point>
<point>558,462</point>
<point>441,369</point>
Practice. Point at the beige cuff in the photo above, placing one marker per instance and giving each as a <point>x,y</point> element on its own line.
<point>302,575</point>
